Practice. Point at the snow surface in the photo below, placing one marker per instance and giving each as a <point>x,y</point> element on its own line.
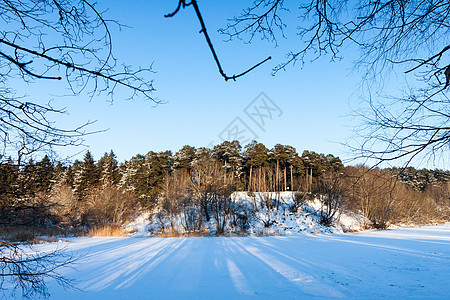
<point>394,264</point>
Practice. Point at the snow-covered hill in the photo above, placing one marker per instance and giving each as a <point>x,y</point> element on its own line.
<point>285,217</point>
<point>288,219</point>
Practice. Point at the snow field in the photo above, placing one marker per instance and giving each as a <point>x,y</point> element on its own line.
<point>400,263</point>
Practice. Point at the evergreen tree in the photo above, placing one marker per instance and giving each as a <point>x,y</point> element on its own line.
<point>279,160</point>
<point>145,174</point>
<point>108,169</point>
<point>85,175</point>
<point>202,154</point>
<point>45,173</point>
<point>255,155</point>
<point>184,157</point>
<point>229,154</point>
<point>9,173</point>
<point>159,165</point>
<point>28,181</point>
<point>295,165</point>
<point>335,163</point>
<point>134,174</point>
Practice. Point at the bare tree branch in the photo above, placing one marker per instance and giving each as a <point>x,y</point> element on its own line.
<point>183,4</point>
<point>55,40</point>
<point>28,272</point>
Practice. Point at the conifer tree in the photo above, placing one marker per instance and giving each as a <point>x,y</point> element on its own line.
<point>45,172</point>
<point>255,155</point>
<point>295,164</point>
<point>134,176</point>
<point>279,159</point>
<point>9,173</point>
<point>229,153</point>
<point>85,175</point>
<point>159,166</point>
<point>184,157</point>
<point>108,169</point>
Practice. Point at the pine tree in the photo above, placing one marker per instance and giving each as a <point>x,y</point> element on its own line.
<point>279,158</point>
<point>255,155</point>
<point>85,175</point>
<point>108,169</point>
<point>295,164</point>
<point>45,172</point>
<point>229,153</point>
<point>184,157</point>
<point>9,173</point>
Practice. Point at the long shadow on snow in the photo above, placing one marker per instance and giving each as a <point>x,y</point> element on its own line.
<point>133,260</point>
<point>289,270</point>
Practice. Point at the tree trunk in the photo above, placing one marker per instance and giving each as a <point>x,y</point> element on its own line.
<point>259,183</point>
<point>265,188</point>
<point>292,182</point>
<point>148,176</point>
<point>310,180</point>
<point>250,179</point>
<point>277,183</point>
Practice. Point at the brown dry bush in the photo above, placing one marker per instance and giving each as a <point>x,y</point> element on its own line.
<point>108,206</point>
<point>439,195</point>
<point>384,199</point>
<point>372,192</point>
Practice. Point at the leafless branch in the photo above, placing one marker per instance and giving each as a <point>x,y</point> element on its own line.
<point>183,4</point>
<point>28,272</point>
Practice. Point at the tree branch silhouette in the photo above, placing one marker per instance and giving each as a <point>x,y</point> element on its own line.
<point>54,41</point>
<point>408,38</point>
<point>183,4</point>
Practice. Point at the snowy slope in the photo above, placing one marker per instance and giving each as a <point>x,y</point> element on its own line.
<point>285,218</point>
<point>302,220</point>
<point>391,264</point>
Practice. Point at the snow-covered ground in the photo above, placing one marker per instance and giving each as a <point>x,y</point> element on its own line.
<point>391,264</point>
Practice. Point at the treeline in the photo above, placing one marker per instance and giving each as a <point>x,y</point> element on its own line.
<point>46,193</point>
<point>195,185</point>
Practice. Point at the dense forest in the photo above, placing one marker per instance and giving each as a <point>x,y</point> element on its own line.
<point>195,185</point>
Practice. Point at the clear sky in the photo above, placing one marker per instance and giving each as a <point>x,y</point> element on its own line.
<point>313,101</point>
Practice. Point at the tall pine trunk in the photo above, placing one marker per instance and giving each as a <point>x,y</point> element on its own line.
<point>259,180</point>
<point>277,181</point>
<point>292,183</point>
<point>250,179</point>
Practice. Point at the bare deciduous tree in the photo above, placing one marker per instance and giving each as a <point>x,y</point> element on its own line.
<point>373,192</point>
<point>331,188</point>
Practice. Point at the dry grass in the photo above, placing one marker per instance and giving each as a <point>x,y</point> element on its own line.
<point>107,230</point>
<point>31,235</point>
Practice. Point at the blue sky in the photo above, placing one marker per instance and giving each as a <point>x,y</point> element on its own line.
<point>314,99</point>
